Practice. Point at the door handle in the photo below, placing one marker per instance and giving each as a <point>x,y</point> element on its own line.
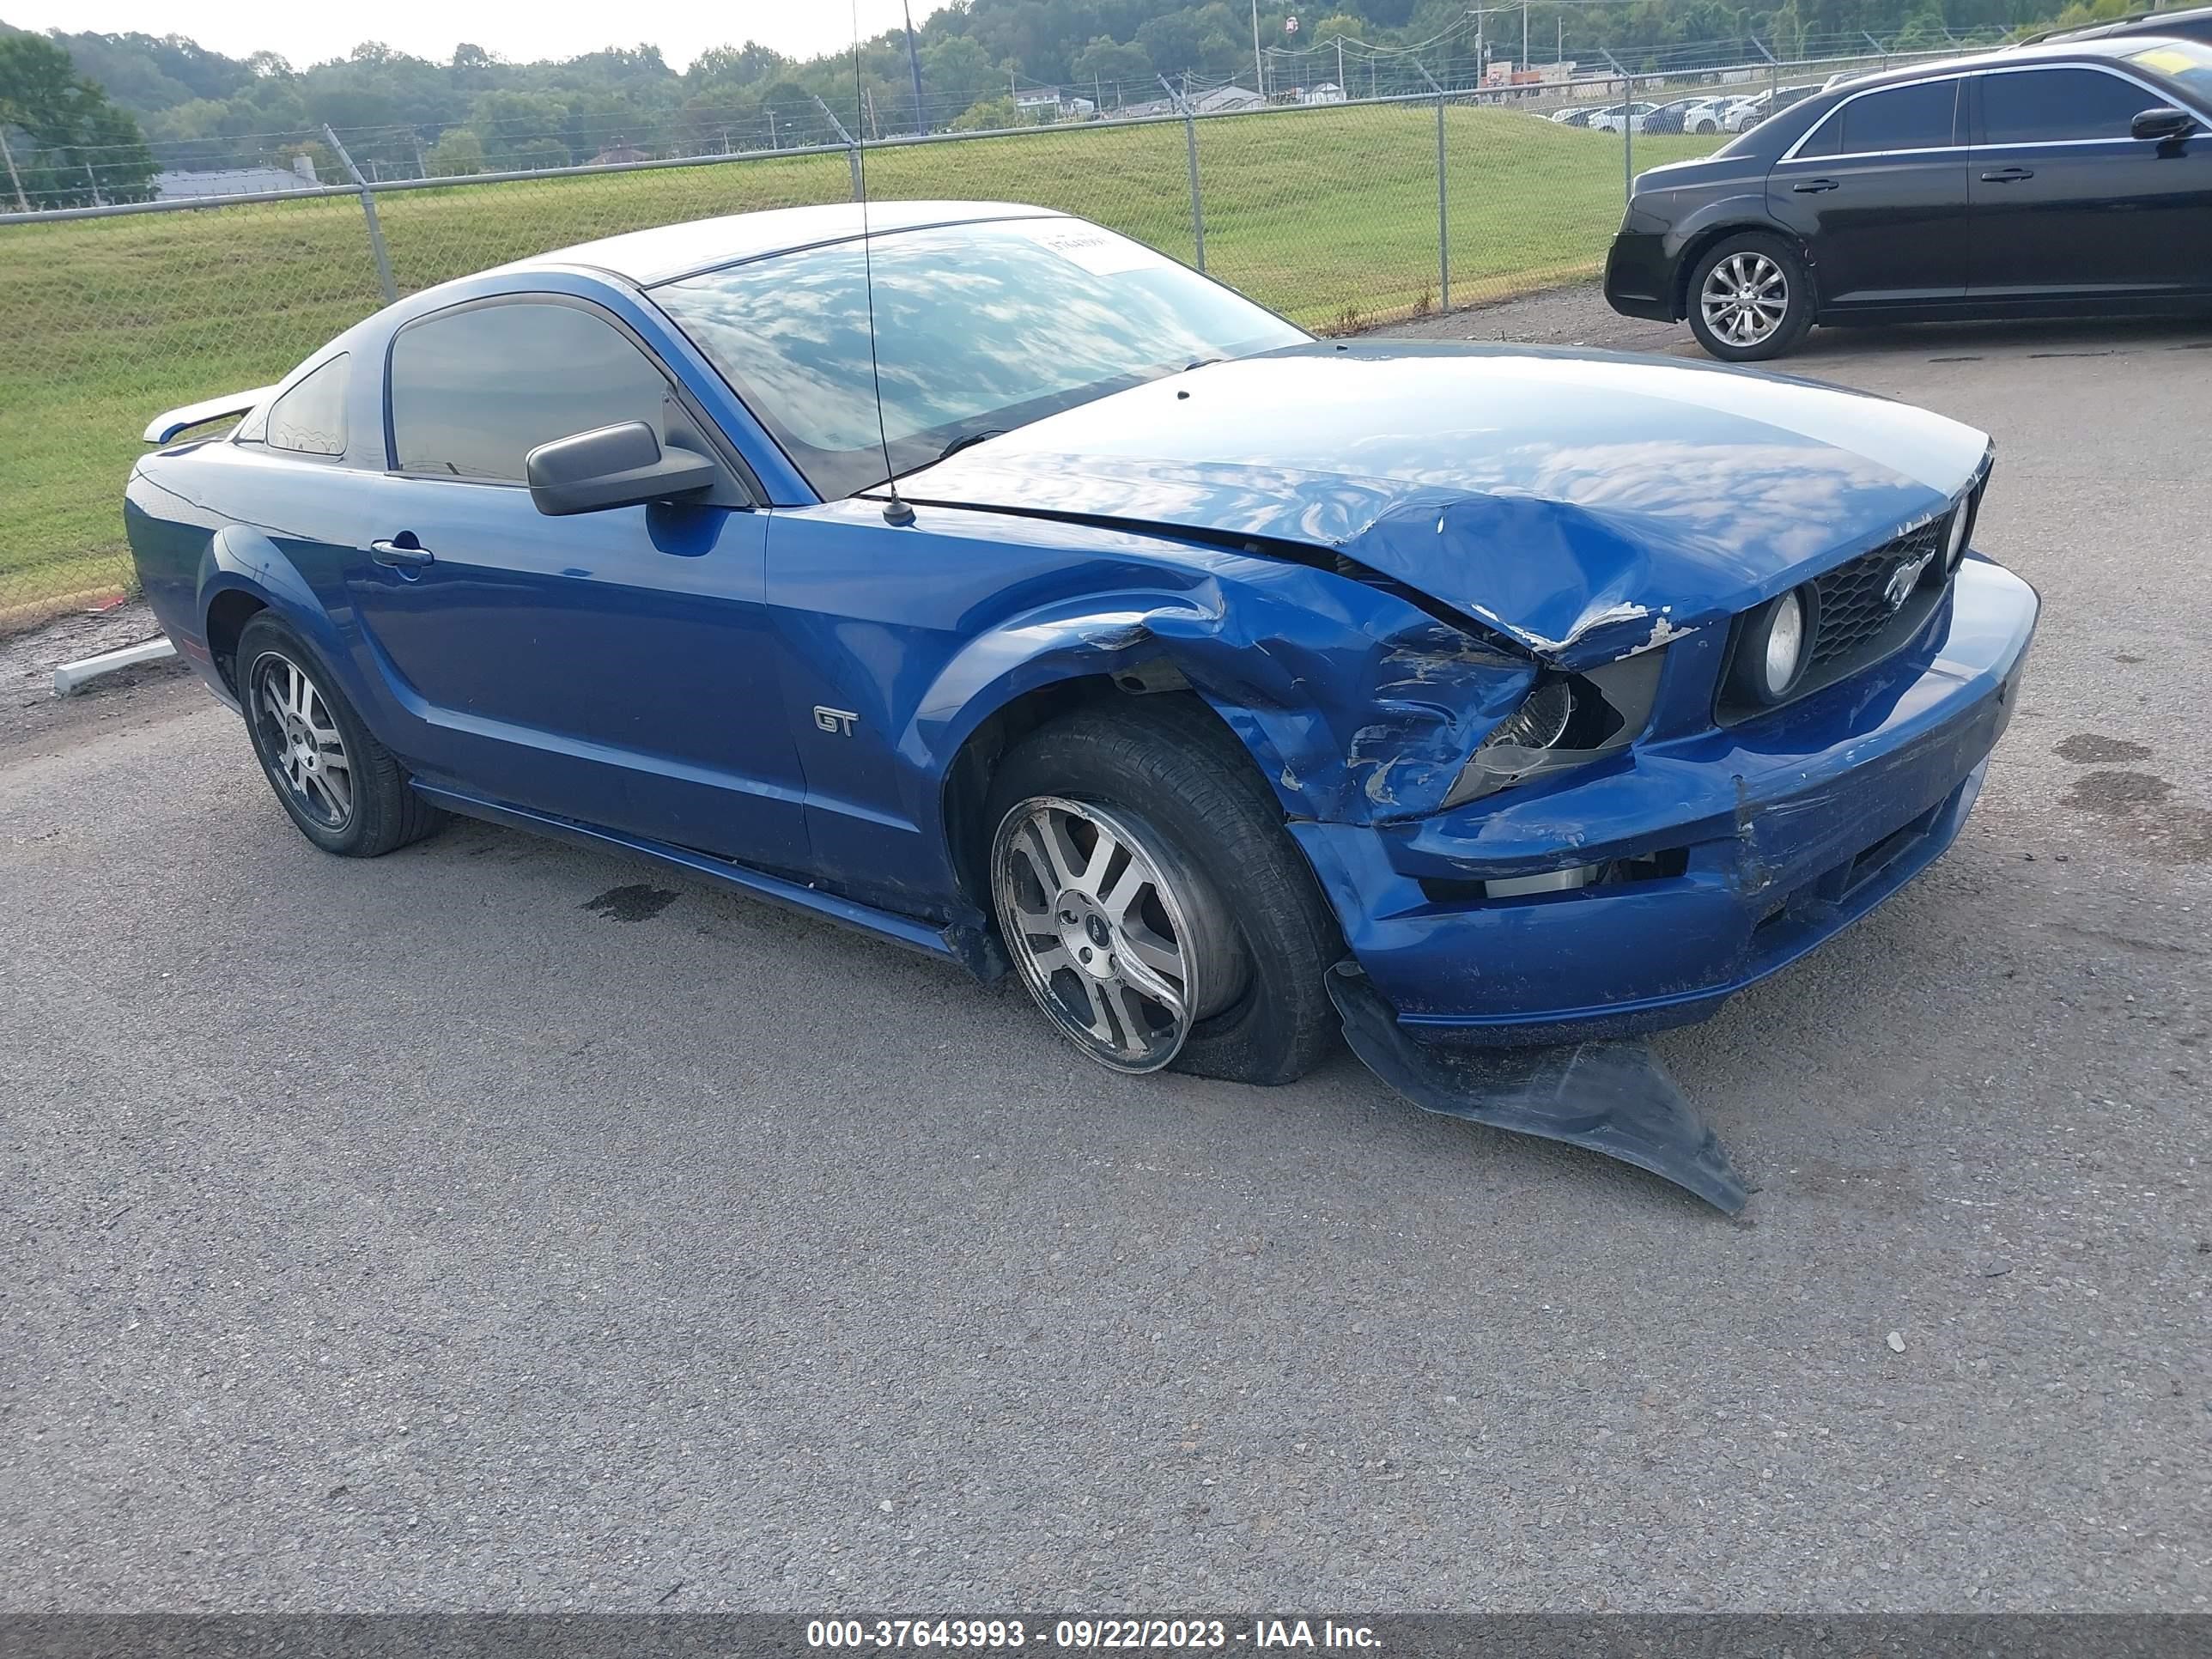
<point>401,558</point>
<point>1814,186</point>
<point>2008,175</point>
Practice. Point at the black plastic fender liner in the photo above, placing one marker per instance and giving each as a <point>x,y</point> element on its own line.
<point>1612,1097</point>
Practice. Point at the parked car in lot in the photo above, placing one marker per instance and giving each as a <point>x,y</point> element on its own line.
<point>1701,115</point>
<point>1574,117</point>
<point>2070,178</point>
<point>1752,111</point>
<point>1614,116</point>
<point>1707,115</point>
<point>1213,677</point>
<point>1733,113</point>
<point>1675,115</point>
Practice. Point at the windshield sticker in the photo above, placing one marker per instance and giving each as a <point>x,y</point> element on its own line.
<point>2165,59</point>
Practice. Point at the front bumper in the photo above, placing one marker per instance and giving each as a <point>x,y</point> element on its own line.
<point>1639,275</point>
<point>1775,835</point>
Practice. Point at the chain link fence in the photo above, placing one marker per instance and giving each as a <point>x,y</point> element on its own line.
<point>1341,215</point>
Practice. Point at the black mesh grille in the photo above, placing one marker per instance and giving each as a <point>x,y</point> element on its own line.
<point>1861,616</point>
<point>1855,600</point>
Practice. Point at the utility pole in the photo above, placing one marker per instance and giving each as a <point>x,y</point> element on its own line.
<point>1524,36</point>
<point>913,65</point>
<point>1339,65</point>
<point>1259,68</point>
<point>1481,16</point>
<point>22,202</point>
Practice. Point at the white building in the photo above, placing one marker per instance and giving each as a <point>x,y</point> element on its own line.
<point>230,181</point>
<point>1222,98</point>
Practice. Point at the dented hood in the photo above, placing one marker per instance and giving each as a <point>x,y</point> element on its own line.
<point>1583,503</point>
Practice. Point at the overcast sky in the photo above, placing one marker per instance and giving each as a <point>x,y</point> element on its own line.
<point>307,32</point>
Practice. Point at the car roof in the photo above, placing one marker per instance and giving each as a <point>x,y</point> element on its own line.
<point>2141,22</point>
<point>669,252</point>
<point>2107,49</point>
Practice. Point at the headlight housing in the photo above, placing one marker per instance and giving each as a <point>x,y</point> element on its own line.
<point>1774,647</point>
<point>1962,518</point>
<point>1566,720</point>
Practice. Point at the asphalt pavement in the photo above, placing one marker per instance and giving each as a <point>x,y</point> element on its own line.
<point>498,1225</point>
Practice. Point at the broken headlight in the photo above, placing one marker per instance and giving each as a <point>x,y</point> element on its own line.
<point>1566,720</point>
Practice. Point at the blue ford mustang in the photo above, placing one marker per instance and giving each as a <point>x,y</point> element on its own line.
<point>1230,685</point>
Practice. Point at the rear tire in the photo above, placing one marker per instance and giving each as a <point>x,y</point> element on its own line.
<point>1750,298</point>
<point>341,788</point>
<point>1234,901</point>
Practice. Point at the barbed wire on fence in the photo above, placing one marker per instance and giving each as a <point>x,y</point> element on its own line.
<point>460,141</point>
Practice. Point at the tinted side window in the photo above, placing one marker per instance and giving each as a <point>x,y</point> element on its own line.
<point>1825,139</point>
<point>2054,106</point>
<point>1904,118</point>
<point>474,391</point>
<point>310,419</point>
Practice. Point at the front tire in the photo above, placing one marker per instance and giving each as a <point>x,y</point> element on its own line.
<point>341,788</point>
<point>1750,298</point>
<point>1151,900</point>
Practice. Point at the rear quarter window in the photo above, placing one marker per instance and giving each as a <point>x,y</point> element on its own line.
<point>1904,118</point>
<point>311,418</point>
<point>1920,117</point>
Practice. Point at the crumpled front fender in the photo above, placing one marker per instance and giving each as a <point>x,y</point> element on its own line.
<point>1357,705</point>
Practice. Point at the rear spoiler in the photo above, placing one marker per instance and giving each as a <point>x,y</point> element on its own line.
<point>163,428</point>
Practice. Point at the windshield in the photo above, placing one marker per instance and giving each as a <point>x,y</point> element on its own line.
<point>980,328</point>
<point>2188,63</point>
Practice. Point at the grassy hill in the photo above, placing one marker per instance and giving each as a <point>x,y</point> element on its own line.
<point>1327,216</point>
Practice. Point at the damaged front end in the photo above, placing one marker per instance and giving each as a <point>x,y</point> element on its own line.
<point>1455,716</point>
<point>1611,1097</point>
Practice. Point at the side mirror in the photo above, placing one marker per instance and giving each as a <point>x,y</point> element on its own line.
<point>621,465</point>
<point>2163,123</point>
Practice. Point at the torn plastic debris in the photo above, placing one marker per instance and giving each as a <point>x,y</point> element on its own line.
<point>1612,1097</point>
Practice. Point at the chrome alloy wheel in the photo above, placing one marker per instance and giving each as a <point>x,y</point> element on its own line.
<point>306,753</point>
<point>1124,947</point>
<point>1744,298</point>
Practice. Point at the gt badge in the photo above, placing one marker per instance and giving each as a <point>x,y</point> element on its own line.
<point>838,722</point>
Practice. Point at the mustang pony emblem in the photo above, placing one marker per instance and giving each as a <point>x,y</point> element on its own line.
<point>1904,580</point>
